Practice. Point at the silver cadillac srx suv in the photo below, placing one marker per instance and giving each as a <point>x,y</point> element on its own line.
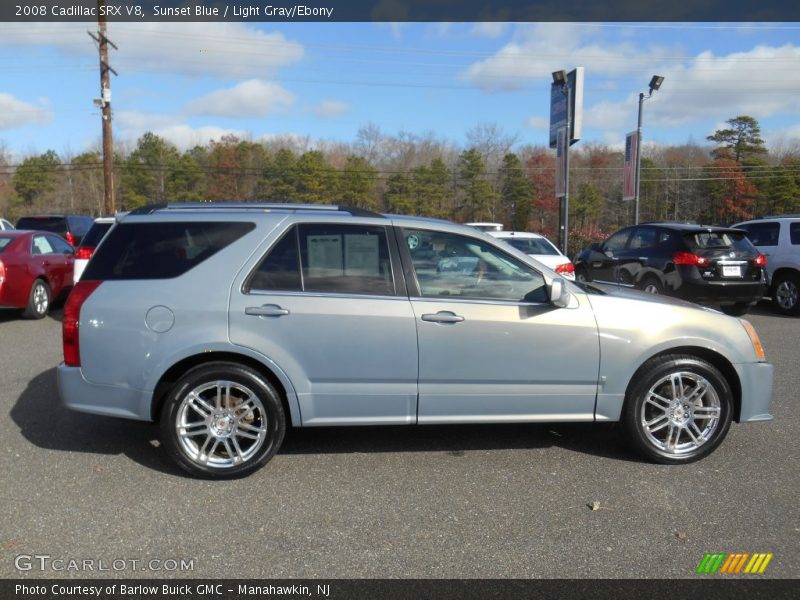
<point>226,323</point>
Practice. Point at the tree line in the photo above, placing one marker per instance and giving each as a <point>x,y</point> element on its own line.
<point>493,179</point>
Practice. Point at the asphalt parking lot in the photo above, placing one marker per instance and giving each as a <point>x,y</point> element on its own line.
<point>421,502</point>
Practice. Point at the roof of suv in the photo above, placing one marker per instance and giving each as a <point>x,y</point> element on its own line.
<point>687,227</point>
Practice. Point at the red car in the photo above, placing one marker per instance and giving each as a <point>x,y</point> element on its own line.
<point>35,268</point>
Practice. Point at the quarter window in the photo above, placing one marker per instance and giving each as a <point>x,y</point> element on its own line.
<point>41,245</point>
<point>450,265</point>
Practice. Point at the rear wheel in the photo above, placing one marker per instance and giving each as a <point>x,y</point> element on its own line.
<point>38,301</point>
<point>785,296</point>
<point>651,285</point>
<point>222,420</point>
<point>678,409</point>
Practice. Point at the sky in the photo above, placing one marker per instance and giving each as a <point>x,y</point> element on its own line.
<point>194,82</point>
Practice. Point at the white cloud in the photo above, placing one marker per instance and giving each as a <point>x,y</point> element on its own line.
<point>141,121</point>
<point>328,109</point>
<point>252,98</point>
<point>489,29</point>
<point>226,49</point>
<point>16,113</point>
<point>539,123</point>
<point>537,50</point>
<point>185,137</point>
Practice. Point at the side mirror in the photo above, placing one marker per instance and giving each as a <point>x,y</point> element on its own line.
<point>559,295</point>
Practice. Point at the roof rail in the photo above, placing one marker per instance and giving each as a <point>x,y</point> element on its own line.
<point>786,216</point>
<point>149,209</point>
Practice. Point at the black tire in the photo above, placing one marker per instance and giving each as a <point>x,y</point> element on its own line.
<point>786,294</point>
<point>736,310</point>
<point>696,426</point>
<point>38,301</point>
<point>230,417</point>
<point>581,275</point>
<point>651,285</point>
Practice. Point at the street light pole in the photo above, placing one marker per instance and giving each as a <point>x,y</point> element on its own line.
<point>655,83</point>
<point>565,202</point>
<point>638,159</point>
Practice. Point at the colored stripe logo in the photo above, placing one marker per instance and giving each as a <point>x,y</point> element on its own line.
<point>734,563</point>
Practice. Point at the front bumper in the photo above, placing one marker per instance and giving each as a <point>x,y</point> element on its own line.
<point>756,380</point>
<point>114,401</point>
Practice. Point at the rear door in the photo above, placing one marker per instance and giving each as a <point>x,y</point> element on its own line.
<point>326,302</point>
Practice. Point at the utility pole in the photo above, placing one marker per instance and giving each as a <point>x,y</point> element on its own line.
<point>104,102</point>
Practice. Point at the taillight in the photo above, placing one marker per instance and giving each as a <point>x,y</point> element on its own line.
<point>71,318</point>
<point>84,252</point>
<point>761,260</point>
<point>687,258</point>
<point>565,268</point>
<point>70,238</point>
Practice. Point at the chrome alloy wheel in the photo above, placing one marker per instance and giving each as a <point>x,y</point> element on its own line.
<point>221,424</point>
<point>651,288</point>
<point>786,294</point>
<point>40,298</point>
<point>680,413</point>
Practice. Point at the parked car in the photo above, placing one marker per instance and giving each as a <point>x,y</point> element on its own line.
<point>35,269</point>
<point>538,247</point>
<point>5,225</point>
<point>71,227</point>
<point>778,238</point>
<point>89,244</point>
<point>241,320</point>
<point>707,265</point>
<point>483,226</point>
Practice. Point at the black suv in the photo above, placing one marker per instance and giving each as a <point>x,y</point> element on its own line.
<point>707,265</point>
<point>71,227</point>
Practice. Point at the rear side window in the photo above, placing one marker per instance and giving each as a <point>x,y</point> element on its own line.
<point>340,259</point>
<point>719,240</point>
<point>160,250</point>
<point>4,242</point>
<point>79,225</point>
<point>52,224</point>
<point>95,234</point>
<point>532,245</point>
<point>794,233</point>
<point>762,234</point>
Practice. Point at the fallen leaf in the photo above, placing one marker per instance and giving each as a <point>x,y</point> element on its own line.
<point>682,536</point>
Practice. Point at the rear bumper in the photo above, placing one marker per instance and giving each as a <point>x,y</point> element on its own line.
<point>721,292</point>
<point>756,380</point>
<point>114,401</point>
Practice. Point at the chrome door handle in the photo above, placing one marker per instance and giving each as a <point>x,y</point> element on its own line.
<point>442,317</point>
<point>267,310</point>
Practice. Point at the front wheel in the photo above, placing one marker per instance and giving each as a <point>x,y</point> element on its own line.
<point>222,420</point>
<point>678,409</point>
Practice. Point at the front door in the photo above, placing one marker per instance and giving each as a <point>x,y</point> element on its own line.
<point>492,348</point>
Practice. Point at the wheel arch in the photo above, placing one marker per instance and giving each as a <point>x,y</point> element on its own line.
<point>781,271</point>
<point>176,371</point>
<point>722,364</point>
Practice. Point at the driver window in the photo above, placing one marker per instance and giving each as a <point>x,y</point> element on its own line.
<point>458,266</point>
